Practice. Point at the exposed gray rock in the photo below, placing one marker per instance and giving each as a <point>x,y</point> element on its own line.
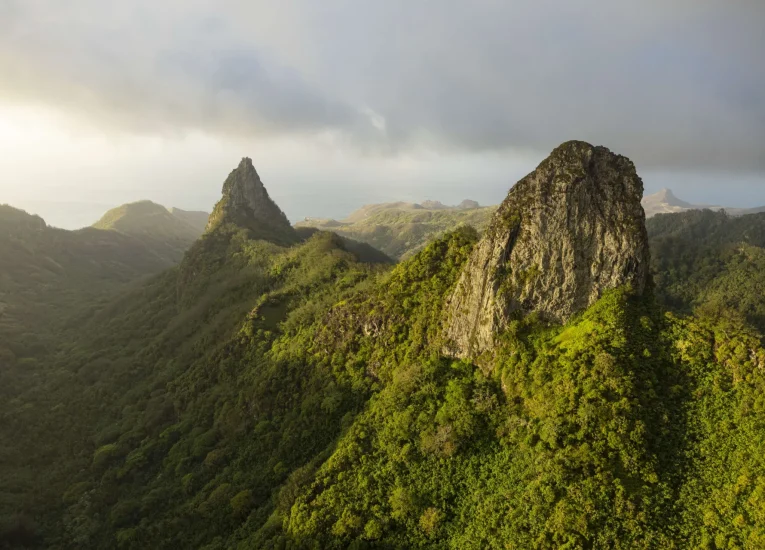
<point>245,203</point>
<point>567,232</point>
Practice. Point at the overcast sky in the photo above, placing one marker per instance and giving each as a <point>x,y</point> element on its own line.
<point>346,102</point>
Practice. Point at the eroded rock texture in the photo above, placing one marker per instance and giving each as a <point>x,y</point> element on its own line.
<point>567,232</point>
<point>245,203</point>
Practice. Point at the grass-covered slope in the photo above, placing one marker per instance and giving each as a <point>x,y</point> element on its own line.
<point>624,429</point>
<point>195,218</point>
<point>401,229</point>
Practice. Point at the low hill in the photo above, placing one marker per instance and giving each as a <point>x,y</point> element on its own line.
<point>168,232</point>
<point>400,229</point>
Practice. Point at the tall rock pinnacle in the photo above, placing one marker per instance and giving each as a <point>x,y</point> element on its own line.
<point>245,203</point>
<point>567,232</point>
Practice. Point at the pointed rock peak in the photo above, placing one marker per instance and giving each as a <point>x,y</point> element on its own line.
<point>566,233</point>
<point>245,203</point>
<point>665,197</point>
<point>242,177</point>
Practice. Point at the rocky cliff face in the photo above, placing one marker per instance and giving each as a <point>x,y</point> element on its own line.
<point>568,231</point>
<point>245,203</point>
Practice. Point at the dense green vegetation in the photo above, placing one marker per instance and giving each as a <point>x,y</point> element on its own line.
<point>47,275</point>
<point>712,261</point>
<point>156,338</point>
<point>402,229</point>
<point>265,395</point>
<point>168,232</point>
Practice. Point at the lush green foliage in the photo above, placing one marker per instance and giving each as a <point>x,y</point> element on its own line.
<point>169,232</point>
<point>269,396</point>
<point>399,229</point>
<point>48,274</point>
<point>164,384</point>
<point>711,261</point>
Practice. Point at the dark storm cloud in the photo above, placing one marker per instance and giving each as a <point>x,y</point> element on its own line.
<point>671,84</point>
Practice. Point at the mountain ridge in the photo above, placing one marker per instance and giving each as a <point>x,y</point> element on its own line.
<point>401,229</point>
<point>170,231</point>
<point>269,393</point>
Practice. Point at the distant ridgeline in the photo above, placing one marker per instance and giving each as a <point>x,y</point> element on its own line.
<point>401,229</point>
<point>665,202</point>
<point>169,232</point>
<point>526,388</point>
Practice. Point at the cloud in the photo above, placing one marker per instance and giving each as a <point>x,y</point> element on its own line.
<point>146,71</point>
<point>675,84</point>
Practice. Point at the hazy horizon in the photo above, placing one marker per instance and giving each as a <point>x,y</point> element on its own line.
<point>350,104</point>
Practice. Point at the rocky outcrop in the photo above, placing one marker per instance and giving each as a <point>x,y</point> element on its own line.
<point>245,203</point>
<point>567,232</point>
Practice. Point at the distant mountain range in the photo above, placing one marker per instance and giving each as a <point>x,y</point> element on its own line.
<point>665,202</point>
<point>400,229</point>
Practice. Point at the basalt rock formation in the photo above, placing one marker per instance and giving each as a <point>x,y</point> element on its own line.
<point>567,232</point>
<point>245,203</point>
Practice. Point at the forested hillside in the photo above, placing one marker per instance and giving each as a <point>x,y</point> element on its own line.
<point>169,232</point>
<point>711,261</point>
<point>276,390</point>
<point>47,275</point>
<point>401,229</point>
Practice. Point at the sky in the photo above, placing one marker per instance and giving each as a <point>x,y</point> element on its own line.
<point>341,103</point>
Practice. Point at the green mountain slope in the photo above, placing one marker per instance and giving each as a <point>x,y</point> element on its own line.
<point>47,275</point>
<point>174,324</point>
<point>712,261</point>
<point>401,229</point>
<point>275,391</point>
<point>238,442</point>
<point>168,232</point>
